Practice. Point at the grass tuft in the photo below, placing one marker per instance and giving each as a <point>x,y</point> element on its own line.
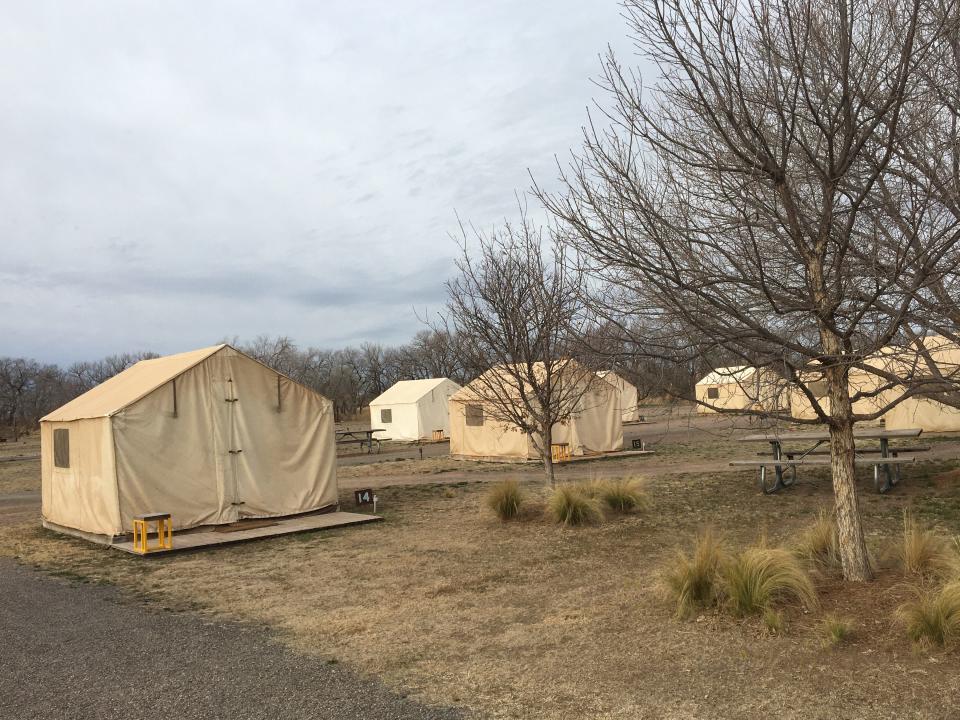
<point>622,495</point>
<point>835,630</point>
<point>819,543</point>
<point>773,621</point>
<point>933,617</point>
<point>571,504</point>
<point>691,581</point>
<point>505,498</point>
<point>923,552</point>
<point>761,576</point>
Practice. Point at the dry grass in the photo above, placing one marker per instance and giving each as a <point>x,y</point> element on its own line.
<point>818,543</point>
<point>691,581</point>
<point>933,616</point>
<point>925,553</point>
<point>760,577</point>
<point>414,466</point>
<point>834,631</point>
<point>623,495</point>
<point>505,499</point>
<point>19,477</point>
<point>571,504</point>
<point>773,621</point>
<point>527,620</point>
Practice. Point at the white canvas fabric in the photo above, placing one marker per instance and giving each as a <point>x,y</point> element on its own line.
<point>597,426</point>
<point>416,409</point>
<point>629,397</point>
<point>915,412</point>
<point>210,437</point>
<point>741,388</point>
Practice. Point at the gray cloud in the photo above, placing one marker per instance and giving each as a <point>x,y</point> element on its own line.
<point>179,172</point>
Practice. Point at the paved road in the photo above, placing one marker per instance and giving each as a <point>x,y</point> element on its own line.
<point>75,652</point>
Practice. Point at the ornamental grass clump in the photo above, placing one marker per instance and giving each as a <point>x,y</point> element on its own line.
<point>761,577</point>
<point>571,504</point>
<point>506,499</point>
<point>622,495</point>
<point>933,616</point>
<point>819,543</point>
<point>691,581</point>
<point>925,553</point>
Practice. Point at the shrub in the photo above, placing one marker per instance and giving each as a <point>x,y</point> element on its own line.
<point>835,630</point>
<point>923,552</point>
<point>761,576</point>
<point>819,543</point>
<point>505,498</point>
<point>624,496</point>
<point>691,581</point>
<point>933,616</point>
<point>773,621</point>
<point>571,504</point>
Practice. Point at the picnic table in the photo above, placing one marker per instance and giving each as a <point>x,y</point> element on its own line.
<point>886,459</point>
<point>363,437</point>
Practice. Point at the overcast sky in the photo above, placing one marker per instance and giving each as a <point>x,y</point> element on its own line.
<point>174,173</point>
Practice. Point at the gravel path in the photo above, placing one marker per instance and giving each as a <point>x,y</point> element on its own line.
<point>76,651</point>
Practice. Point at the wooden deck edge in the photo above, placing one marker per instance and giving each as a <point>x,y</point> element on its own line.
<point>239,537</point>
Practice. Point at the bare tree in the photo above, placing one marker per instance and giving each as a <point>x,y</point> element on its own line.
<point>761,202</point>
<point>517,310</point>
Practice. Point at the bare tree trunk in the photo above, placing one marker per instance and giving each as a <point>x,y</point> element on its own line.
<point>546,452</point>
<point>852,545</point>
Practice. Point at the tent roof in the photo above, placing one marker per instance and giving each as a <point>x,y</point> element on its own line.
<point>611,377</point>
<point>136,382</point>
<point>501,381</point>
<point>725,375</point>
<point>409,391</point>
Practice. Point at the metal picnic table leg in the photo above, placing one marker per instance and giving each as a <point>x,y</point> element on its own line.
<point>778,471</point>
<point>886,469</point>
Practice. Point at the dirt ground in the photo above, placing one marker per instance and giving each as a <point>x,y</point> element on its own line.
<point>532,620</point>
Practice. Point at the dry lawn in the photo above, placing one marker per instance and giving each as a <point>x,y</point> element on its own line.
<point>18,476</point>
<point>427,466</point>
<point>531,620</point>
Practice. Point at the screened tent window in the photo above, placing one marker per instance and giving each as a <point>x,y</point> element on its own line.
<point>818,388</point>
<point>386,416</point>
<point>61,448</point>
<point>713,393</point>
<point>474,415</point>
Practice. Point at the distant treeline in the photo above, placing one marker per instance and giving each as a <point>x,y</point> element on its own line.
<point>351,377</point>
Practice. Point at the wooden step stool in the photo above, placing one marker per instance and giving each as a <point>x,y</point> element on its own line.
<point>560,452</point>
<point>164,532</point>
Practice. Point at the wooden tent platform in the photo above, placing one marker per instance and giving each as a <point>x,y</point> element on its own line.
<point>209,537</point>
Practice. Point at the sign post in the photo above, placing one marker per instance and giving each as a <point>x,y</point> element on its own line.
<point>365,496</point>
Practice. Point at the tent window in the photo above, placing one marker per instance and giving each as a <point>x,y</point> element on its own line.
<point>475,415</point>
<point>61,448</point>
<point>386,416</point>
<point>818,388</point>
<point>713,393</point>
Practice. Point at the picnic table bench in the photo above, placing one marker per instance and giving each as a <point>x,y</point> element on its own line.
<point>361,437</point>
<point>887,460</point>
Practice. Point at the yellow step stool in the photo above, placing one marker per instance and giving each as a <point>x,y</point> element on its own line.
<point>560,452</point>
<point>141,524</point>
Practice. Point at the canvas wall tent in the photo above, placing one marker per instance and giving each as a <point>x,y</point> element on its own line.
<point>741,388</point>
<point>210,436</point>
<point>629,411</point>
<point>478,431</point>
<point>413,409</point>
<point>914,412</point>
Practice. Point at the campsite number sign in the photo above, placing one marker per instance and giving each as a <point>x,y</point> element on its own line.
<point>363,497</point>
